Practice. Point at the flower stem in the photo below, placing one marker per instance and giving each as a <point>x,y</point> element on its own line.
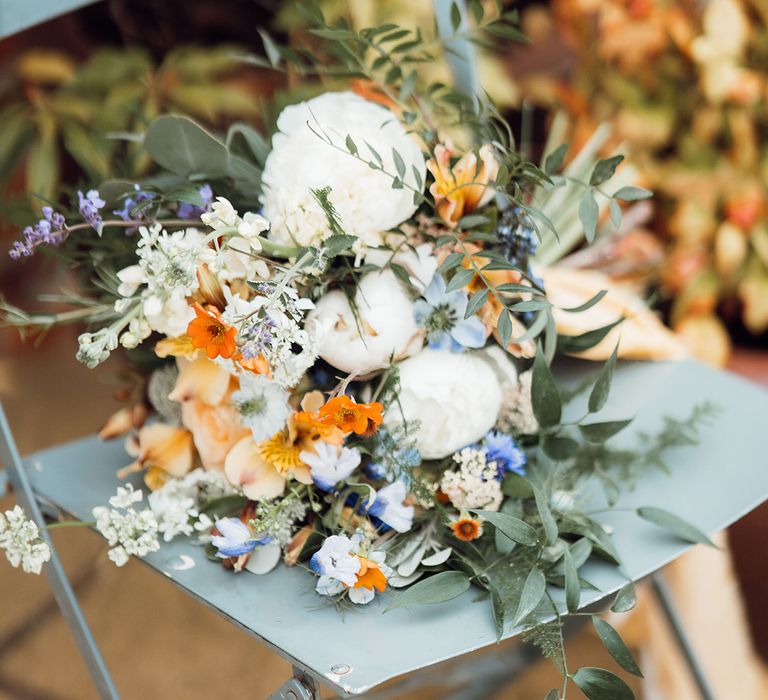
<point>69,523</point>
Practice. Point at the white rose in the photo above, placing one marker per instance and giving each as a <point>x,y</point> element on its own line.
<point>385,326</point>
<point>301,161</point>
<point>456,398</point>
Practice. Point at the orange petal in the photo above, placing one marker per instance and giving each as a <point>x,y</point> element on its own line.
<point>166,447</point>
<point>180,346</point>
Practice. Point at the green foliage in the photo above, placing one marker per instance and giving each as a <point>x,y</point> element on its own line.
<point>439,588</point>
<point>674,524</point>
<point>615,646</point>
<point>599,684</point>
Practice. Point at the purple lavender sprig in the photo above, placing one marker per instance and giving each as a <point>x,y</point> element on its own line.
<point>50,230</point>
<point>89,205</point>
<point>193,211</point>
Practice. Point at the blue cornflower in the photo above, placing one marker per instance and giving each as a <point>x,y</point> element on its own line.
<point>193,211</point>
<point>89,205</point>
<point>504,451</point>
<point>236,538</point>
<point>441,314</point>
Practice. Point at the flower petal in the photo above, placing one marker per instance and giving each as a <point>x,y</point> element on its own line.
<point>245,467</point>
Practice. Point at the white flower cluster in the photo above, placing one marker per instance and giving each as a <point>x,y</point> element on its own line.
<point>128,532</point>
<point>176,505</point>
<point>20,538</point>
<point>94,348</point>
<point>277,519</point>
<point>271,327</point>
<point>516,414</point>
<point>167,271</point>
<point>475,483</point>
<point>235,259</point>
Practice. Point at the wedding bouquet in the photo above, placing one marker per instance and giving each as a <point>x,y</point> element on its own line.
<point>347,346</point>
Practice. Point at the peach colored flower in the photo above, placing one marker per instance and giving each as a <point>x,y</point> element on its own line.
<point>215,430</point>
<point>163,450</point>
<point>200,378</point>
<point>461,189</point>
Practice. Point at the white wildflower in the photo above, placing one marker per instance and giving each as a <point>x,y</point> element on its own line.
<point>475,483</point>
<point>21,540</point>
<point>263,405</point>
<point>128,532</point>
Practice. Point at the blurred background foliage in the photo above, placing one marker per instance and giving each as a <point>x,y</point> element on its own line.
<point>684,84</point>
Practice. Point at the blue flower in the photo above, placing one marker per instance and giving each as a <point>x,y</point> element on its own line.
<point>130,202</point>
<point>504,451</point>
<point>236,538</point>
<point>389,507</point>
<point>193,211</point>
<point>441,314</point>
<point>89,205</point>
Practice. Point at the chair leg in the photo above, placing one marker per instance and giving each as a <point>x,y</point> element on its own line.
<point>57,577</point>
<point>667,606</point>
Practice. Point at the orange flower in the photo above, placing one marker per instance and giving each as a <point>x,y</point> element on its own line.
<point>209,332</point>
<point>461,189</point>
<point>467,528</point>
<point>370,576</point>
<point>257,365</point>
<point>350,416</point>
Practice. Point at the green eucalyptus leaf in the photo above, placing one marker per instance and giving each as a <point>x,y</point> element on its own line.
<point>604,170</point>
<point>572,584</point>
<point>553,694</point>
<point>338,243</point>
<point>554,161</point>
<point>439,588</point>
<point>545,396</point>
<point>600,432</point>
<point>615,646</point>
<point>587,304</point>
<point>513,528</point>
<point>350,144</point>
<point>585,341</point>
<point>599,684</point>
<point>533,591</point>
<point>504,326</point>
<point>615,212</point>
<point>599,394</point>
<point>453,260</point>
<point>625,599</point>
<point>674,524</point>
<point>588,213</point>
<point>632,194</point>
<point>497,606</point>
<point>516,486</point>
<point>461,278</point>
<point>547,519</point>
<point>559,448</point>
<point>182,146</point>
<point>475,302</point>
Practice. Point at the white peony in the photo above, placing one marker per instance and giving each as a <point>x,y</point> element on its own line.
<point>455,397</point>
<point>385,326</point>
<point>301,161</point>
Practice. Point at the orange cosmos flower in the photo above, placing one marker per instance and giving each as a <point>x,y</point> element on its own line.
<point>467,528</point>
<point>350,416</point>
<point>209,332</point>
<point>370,576</point>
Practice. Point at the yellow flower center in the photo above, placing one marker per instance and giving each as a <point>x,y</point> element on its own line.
<point>281,452</point>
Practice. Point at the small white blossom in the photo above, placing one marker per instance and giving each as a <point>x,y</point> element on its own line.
<point>128,532</point>
<point>263,405</point>
<point>475,483</point>
<point>20,538</point>
<point>390,508</point>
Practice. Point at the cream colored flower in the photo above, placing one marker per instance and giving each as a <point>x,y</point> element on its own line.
<point>454,397</point>
<point>302,160</point>
<point>385,327</point>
